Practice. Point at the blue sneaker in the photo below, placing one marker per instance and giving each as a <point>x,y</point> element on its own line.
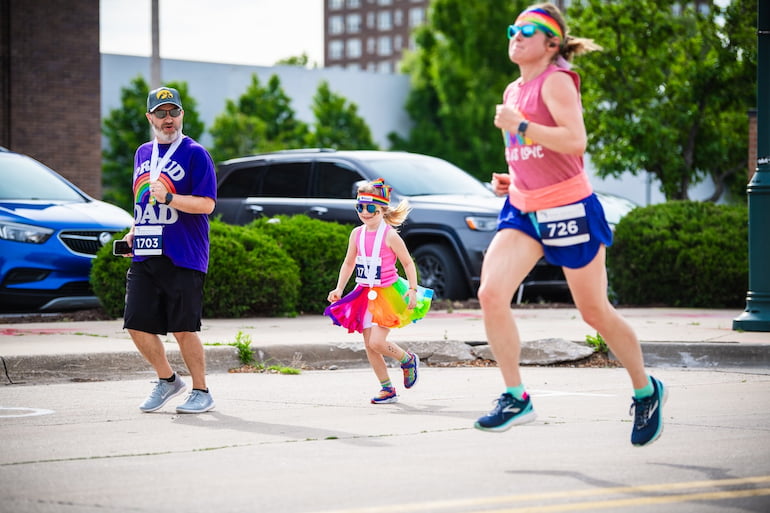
<point>648,421</point>
<point>162,393</point>
<point>197,402</point>
<point>508,412</point>
<point>387,395</point>
<point>410,369</point>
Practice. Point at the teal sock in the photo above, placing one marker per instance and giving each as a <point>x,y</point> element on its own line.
<point>645,391</point>
<point>406,358</point>
<point>385,383</point>
<point>517,392</point>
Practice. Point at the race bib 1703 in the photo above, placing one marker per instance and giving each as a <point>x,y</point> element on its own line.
<point>148,240</point>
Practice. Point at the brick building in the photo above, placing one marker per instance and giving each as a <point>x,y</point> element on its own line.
<point>372,35</point>
<point>50,86</point>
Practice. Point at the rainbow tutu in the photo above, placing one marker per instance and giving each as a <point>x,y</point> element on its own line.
<point>389,309</point>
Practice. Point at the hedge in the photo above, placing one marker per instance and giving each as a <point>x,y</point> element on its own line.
<point>681,254</point>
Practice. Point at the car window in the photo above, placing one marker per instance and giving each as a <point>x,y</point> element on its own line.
<point>421,175</point>
<point>287,179</point>
<point>336,180</point>
<point>26,179</point>
<point>243,182</point>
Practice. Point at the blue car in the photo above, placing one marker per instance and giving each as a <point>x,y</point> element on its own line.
<point>50,232</point>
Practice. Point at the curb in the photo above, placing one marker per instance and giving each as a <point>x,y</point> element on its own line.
<point>705,354</point>
<point>221,359</point>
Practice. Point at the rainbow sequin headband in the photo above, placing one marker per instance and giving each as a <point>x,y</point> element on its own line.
<point>380,196</point>
<point>543,20</point>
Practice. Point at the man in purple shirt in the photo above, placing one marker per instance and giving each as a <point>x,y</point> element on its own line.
<point>175,190</point>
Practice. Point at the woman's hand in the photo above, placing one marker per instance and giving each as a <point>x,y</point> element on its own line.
<point>500,183</point>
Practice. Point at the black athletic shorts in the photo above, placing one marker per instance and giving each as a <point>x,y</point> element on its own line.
<point>163,298</point>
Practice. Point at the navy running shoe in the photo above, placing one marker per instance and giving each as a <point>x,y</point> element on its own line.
<point>508,412</point>
<point>648,419</point>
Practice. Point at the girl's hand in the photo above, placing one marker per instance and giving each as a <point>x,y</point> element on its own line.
<point>411,298</point>
<point>334,295</point>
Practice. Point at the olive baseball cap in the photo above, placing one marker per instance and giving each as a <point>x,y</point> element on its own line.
<point>161,96</point>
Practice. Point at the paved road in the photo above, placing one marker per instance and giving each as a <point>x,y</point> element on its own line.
<point>312,444</point>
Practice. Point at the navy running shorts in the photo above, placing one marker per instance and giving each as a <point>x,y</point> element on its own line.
<point>163,298</point>
<point>572,256</point>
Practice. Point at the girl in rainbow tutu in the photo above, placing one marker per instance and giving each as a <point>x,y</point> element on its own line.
<point>381,299</point>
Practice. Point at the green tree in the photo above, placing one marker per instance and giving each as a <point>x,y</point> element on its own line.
<point>670,91</point>
<point>126,129</point>
<point>338,124</point>
<point>261,120</point>
<point>458,73</point>
<point>668,95</point>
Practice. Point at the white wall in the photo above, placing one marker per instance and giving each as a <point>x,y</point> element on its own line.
<point>380,97</point>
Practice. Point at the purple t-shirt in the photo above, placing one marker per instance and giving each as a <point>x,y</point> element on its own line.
<point>189,171</point>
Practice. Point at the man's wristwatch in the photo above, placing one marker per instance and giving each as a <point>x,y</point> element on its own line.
<point>169,197</point>
<point>523,127</point>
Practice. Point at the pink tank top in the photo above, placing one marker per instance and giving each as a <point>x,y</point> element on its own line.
<point>540,178</point>
<point>388,273</point>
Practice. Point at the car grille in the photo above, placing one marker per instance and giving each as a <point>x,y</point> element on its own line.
<point>85,242</point>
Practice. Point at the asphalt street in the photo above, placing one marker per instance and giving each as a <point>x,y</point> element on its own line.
<point>312,443</point>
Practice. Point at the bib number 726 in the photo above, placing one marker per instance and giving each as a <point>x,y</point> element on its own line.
<point>563,226</point>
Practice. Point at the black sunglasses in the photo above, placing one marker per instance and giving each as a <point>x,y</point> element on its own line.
<point>370,207</point>
<point>174,113</point>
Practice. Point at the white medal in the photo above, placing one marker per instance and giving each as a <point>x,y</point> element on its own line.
<point>372,295</point>
<point>155,166</point>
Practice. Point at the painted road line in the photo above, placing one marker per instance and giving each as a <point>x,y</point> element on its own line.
<point>436,506</point>
<point>15,413</point>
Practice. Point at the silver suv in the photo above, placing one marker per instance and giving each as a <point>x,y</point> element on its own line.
<point>453,218</point>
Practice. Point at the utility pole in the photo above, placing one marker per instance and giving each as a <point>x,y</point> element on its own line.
<point>155,59</point>
<point>756,316</point>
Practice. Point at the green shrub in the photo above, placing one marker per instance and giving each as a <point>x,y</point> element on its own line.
<point>249,274</point>
<point>317,246</point>
<point>108,278</point>
<point>683,254</point>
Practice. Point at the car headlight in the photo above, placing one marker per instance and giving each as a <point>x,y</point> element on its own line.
<point>24,233</point>
<point>481,223</point>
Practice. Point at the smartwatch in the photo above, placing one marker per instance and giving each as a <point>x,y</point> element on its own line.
<point>169,197</point>
<point>523,127</point>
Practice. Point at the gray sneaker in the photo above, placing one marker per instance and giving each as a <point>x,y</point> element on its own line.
<point>197,402</point>
<point>162,393</point>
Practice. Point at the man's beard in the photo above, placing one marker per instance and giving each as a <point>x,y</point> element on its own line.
<point>164,138</point>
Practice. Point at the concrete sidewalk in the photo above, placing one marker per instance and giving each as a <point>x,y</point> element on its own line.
<point>675,337</point>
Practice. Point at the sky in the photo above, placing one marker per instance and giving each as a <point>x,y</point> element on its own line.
<point>249,32</point>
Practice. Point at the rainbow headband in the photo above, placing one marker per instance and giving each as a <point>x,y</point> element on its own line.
<point>541,19</point>
<point>380,196</point>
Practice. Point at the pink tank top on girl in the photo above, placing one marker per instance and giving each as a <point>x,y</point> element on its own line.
<point>540,178</point>
<point>388,273</point>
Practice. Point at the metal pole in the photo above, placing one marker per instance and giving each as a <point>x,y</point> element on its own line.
<point>155,59</point>
<point>756,316</point>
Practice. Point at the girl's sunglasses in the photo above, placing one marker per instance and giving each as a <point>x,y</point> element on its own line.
<point>526,30</point>
<point>370,207</point>
<point>174,113</point>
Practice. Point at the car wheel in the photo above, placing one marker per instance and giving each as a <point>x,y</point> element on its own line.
<point>438,270</point>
